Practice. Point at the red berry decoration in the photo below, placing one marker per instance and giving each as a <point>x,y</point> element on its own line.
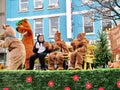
<point>88,85</point>
<point>101,88</point>
<point>50,83</point>
<point>118,83</point>
<point>67,88</point>
<point>75,78</point>
<point>28,79</point>
<point>5,88</point>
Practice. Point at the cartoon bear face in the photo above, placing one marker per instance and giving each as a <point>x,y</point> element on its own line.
<point>80,36</point>
<point>23,26</point>
<point>8,31</point>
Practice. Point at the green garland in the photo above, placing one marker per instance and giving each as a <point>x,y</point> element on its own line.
<point>99,79</point>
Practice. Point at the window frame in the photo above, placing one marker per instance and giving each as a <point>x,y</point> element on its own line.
<point>24,9</point>
<point>92,32</point>
<point>51,5</point>
<point>40,7</point>
<point>104,19</point>
<point>58,29</point>
<point>42,22</point>
<point>87,2</point>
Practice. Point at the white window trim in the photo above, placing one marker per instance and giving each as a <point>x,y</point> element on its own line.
<point>40,7</point>
<point>34,26</point>
<point>84,29</point>
<point>23,10</point>
<point>50,26</point>
<point>101,21</point>
<point>52,6</point>
<point>105,1</point>
<point>86,2</point>
<point>20,36</point>
<point>34,29</point>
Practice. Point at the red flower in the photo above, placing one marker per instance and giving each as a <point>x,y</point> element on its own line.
<point>29,79</point>
<point>88,85</point>
<point>50,83</point>
<point>118,83</point>
<point>67,88</point>
<point>75,78</point>
<point>5,88</point>
<point>101,88</point>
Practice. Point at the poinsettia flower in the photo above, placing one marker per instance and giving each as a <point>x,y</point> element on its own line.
<point>5,88</point>
<point>118,83</point>
<point>88,85</point>
<point>29,79</point>
<point>67,88</point>
<point>101,88</point>
<point>75,78</point>
<point>50,83</point>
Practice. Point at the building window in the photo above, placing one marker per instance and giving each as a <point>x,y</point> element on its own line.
<point>88,22</point>
<point>53,3</point>
<point>23,5</point>
<point>38,4</point>
<point>54,25</point>
<point>87,1</point>
<point>106,21</point>
<point>104,1</point>
<point>38,26</point>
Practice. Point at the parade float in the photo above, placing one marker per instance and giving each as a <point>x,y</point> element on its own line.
<point>98,77</point>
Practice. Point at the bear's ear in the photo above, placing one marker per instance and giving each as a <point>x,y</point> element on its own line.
<point>84,34</point>
<point>4,26</point>
<point>25,20</point>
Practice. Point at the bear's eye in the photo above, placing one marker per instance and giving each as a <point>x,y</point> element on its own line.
<point>7,25</point>
<point>25,21</point>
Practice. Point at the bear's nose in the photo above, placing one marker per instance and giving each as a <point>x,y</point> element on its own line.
<point>17,28</point>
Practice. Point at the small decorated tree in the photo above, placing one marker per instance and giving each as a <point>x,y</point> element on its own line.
<point>102,52</point>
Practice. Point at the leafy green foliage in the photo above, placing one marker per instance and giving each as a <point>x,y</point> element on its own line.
<point>16,80</point>
<point>102,52</point>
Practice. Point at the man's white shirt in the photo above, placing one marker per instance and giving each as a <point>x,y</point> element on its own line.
<point>40,47</point>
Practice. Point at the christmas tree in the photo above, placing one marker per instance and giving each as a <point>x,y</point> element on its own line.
<point>102,53</point>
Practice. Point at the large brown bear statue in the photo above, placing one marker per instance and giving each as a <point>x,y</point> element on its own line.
<point>16,53</point>
<point>59,50</point>
<point>80,49</point>
<point>23,27</point>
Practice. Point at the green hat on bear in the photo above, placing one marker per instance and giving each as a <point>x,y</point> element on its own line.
<point>19,22</point>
